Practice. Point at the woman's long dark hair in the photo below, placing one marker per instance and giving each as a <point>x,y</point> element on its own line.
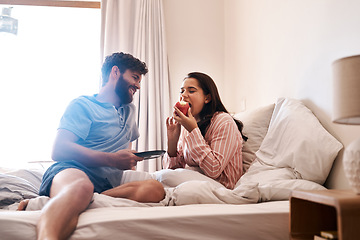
<point>215,105</point>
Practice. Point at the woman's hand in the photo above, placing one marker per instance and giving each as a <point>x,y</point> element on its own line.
<point>173,129</point>
<point>173,133</point>
<point>188,122</point>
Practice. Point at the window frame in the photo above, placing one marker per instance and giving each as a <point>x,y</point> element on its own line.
<point>54,3</point>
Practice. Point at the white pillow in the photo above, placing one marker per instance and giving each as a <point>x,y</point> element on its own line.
<point>256,125</point>
<point>297,140</point>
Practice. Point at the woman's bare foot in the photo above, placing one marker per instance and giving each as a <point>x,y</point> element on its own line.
<point>22,205</point>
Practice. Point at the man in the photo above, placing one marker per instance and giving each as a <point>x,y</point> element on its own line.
<point>92,147</point>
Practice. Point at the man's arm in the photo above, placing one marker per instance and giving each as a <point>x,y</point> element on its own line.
<point>65,148</point>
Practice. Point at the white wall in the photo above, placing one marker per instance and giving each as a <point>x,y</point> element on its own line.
<point>270,49</point>
<point>286,48</point>
<point>195,39</point>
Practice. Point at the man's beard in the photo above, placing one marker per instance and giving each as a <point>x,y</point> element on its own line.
<point>122,90</point>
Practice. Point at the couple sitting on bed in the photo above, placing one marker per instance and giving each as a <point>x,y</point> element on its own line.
<point>93,145</point>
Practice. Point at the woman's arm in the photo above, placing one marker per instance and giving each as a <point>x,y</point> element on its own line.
<point>214,156</point>
<point>173,162</point>
<point>177,161</point>
<point>173,157</point>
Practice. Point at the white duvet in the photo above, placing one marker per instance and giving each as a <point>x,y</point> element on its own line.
<point>197,189</point>
<point>185,187</point>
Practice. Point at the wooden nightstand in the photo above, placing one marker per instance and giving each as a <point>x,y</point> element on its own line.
<point>315,211</point>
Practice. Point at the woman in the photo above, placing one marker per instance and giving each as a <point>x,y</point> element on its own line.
<point>209,137</point>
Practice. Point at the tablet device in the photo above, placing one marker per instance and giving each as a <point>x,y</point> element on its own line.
<point>150,154</point>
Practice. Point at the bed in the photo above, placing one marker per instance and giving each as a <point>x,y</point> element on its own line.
<point>287,149</point>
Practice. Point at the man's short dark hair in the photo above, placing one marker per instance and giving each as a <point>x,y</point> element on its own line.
<point>123,61</point>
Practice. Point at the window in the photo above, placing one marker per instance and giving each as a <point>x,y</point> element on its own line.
<point>53,59</point>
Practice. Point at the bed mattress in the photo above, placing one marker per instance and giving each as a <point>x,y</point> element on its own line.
<point>267,220</point>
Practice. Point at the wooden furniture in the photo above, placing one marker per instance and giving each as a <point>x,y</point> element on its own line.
<point>321,210</point>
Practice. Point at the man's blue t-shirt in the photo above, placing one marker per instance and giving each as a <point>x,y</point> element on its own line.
<point>102,127</point>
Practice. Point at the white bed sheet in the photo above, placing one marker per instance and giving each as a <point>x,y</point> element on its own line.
<point>267,220</point>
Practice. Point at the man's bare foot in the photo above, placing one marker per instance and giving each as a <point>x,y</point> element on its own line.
<point>22,205</point>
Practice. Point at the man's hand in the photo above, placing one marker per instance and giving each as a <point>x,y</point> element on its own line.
<point>125,159</point>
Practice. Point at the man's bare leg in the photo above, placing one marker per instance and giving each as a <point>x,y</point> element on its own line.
<point>70,193</point>
<point>140,191</point>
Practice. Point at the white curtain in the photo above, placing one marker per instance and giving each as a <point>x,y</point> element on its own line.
<point>137,27</point>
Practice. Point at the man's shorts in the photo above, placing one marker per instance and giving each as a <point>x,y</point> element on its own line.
<point>100,183</point>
